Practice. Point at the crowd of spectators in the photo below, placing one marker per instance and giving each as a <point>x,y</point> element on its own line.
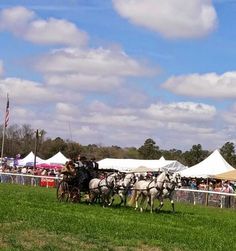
<point>218,186</point>
<point>21,175</point>
<point>211,185</point>
<point>30,170</point>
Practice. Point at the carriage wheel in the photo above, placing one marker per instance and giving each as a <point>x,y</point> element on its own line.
<point>63,191</point>
<point>75,195</point>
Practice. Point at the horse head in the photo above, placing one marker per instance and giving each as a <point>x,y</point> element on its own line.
<point>161,180</point>
<point>112,178</point>
<point>129,180</point>
<point>175,179</point>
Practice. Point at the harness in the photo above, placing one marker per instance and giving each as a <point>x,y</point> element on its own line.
<point>106,184</point>
<point>123,186</point>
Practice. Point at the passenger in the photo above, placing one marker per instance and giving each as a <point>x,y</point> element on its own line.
<point>92,164</point>
<point>78,161</point>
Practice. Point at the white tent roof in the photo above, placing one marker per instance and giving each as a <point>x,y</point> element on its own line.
<point>30,159</point>
<point>58,158</point>
<point>131,164</point>
<point>212,165</point>
<point>142,169</point>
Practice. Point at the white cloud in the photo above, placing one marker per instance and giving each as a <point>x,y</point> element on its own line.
<point>23,23</point>
<point>171,18</point>
<point>16,19</point>
<point>182,111</point>
<point>93,61</point>
<point>25,91</point>
<point>29,92</point>
<point>84,82</point>
<point>1,68</point>
<point>209,85</point>
<point>90,70</point>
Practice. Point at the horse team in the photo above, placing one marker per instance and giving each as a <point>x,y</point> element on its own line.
<point>143,192</point>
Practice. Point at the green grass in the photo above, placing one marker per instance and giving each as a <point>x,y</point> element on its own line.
<point>32,219</point>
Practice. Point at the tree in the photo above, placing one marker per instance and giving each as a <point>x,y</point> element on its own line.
<point>172,154</point>
<point>228,152</point>
<point>195,155</point>
<point>149,150</point>
<point>131,153</point>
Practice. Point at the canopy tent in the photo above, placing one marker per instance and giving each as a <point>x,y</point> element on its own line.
<point>58,158</point>
<point>143,169</point>
<point>30,159</point>
<point>212,165</point>
<point>230,175</point>
<point>170,165</point>
<point>129,165</point>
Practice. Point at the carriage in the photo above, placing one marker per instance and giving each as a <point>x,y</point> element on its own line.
<point>74,184</point>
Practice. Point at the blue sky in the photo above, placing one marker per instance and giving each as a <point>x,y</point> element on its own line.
<point>116,72</point>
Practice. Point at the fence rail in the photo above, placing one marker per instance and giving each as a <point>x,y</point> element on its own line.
<point>28,179</point>
<point>205,197</point>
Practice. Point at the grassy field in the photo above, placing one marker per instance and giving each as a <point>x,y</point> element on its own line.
<point>32,219</point>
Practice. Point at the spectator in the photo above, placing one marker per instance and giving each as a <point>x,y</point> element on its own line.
<point>193,184</point>
<point>227,188</point>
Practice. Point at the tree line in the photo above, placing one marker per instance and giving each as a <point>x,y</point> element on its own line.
<point>22,139</point>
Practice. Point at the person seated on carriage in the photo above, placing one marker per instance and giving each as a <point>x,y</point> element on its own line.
<point>78,162</point>
<point>92,166</point>
<point>82,173</point>
<point>69,169</point>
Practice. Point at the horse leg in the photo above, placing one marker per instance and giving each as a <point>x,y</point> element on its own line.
<point>110,199</point>
<point>148,201</point>
<point>136,199</point>
<point>173,205</point>
<point>103,199</point>
<point>142,202</point>
<point>152,197</point>
<point>125,199</point>
<point>121,198</point>
<point>161,205</point>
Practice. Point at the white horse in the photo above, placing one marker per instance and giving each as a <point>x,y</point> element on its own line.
<point>148,190</point>
<point>103,188</point>
<point>168,190</point>
<point>123,186</point>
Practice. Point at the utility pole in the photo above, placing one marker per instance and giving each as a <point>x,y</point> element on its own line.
<point>37,135</point>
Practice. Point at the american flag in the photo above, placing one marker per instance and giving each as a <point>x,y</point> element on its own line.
<point>7,113</point>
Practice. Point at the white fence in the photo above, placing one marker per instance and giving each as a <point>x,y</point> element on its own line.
<point>28,179</point>
<point>205,197</point>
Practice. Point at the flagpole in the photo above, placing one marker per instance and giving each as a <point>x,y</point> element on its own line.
<point>4,128</point>
<point>3,141</point>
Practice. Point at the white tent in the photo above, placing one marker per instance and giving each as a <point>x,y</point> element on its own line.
<point>142,169</point>
<point>212,165</point>
<point>131,164</point>
<point>170,165</point>
<point>58,158</point>
<point>29,159</point>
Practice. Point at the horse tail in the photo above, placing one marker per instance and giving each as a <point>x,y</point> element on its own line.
<point>133,197</point>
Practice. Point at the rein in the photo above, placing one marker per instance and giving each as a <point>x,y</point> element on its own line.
<point>105,185</point>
